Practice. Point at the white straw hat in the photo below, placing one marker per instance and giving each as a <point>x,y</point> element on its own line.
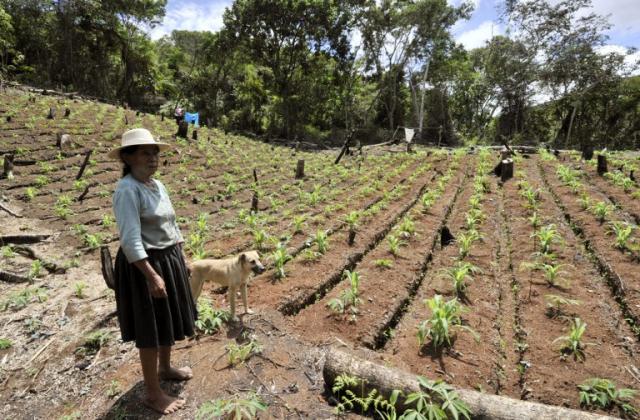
<point>137,137</point>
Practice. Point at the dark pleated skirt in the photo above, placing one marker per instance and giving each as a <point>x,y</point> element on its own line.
<point>149,321</point>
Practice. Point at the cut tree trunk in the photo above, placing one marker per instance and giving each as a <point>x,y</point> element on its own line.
<point>507,170</point>
<point>67,112</point>
<point>352,237</point>
<point>183,129</point>
<point>194,134</point>
<point>602,164</point>
<point>254,202</point>
<point>587,153</point>
<point>8,167</point>
<point>22,239</point>
<point>52,114</point>
<point>300,169</point>
<point>62,140</point>
<point>482,406</point>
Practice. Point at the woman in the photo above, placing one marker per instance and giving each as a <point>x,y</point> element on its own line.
<point>154,303</point>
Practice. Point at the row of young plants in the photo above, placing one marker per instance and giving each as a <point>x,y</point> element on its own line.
<point>567,307</point>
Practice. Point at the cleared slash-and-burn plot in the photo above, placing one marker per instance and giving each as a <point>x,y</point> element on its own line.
<point>557,284</point>
<point>465,274</point>
<point>594,217</point>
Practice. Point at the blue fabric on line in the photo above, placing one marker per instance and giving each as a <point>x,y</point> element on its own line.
<point>195,118</point>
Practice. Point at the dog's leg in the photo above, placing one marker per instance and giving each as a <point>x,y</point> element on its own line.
<point>232,302</point>
<point>195,282</point>
<point>243,291</point>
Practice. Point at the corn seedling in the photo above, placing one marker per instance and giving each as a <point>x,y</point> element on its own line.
<point>260,237</point>
<point>383,263</point>
<point>35,270</point>
<point>572,343</point>
<point>236,408</point>
<point>107,221</point>
<point>280,257</point>
<point>555,304</point>
<point>465,241</point>
<point>553,275</point>
<point>407,228</point>
<point>461,275</point>
<point>298,223</point>
<point>238,354</point>
<point>427,200</point>
<point>209,319</point>
<point>7,251</point>
<point>584,200</point>
<point>394,244</point>
<point>349,299</point>
<point>534,221</point>
<point>546,236</point>
<point>78,288</point>
<point>444,322</point>
<point>5,343</point>
<point>322,241</point>
<point>622,231</point>
<point>602,393</point>
<point>30,193</point>
<point>601,210</point>
<point>93,342</point>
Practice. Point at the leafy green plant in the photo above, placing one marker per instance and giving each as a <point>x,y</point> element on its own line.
<point>438,401</point>
<point>260,236</point>
<point>20,299</point>
<point>465,241</point>
<point>280,257</point>
<point>349,299</point>
<point>546,236</point>
<point>572,343</point>
<point>238,354</point>
<point>555,304</point>
<point>343,387</point>
<point>383,263</point>
<point>427,200</point>
<point>94,341</point>
<point>407,227</point>
<point>461,275</point>
<point>5,343</point>
<point>298,223</point>
<point>602,393</point>
<point>584,200</point>
<point>235,408</point>
<point>7,251</point>
<point>534,221</point>
<point>107,221</point>
<point>36,270</point>
<point>553,274</point>
<point>444,322</point>
<point>622,231</point>
<point>78,288</point>
<point>322,241</point>
<point>114,389</point>
<point>209,320</point>
<point>601,210</point>
<point>394,244</point>
<point>30,193</point>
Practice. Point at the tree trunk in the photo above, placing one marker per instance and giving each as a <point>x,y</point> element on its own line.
<point>300,169</point>
<point>602,164</point>
<point>481,405</point>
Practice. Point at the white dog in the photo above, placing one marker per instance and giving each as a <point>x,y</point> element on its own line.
<point>231,272</point>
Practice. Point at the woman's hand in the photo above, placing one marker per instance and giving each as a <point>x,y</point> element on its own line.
<point>157,288</point>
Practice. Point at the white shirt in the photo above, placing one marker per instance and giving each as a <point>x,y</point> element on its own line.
<point>145,218</point>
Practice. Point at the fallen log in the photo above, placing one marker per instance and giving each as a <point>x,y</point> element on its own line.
<point>12,277</point>
<point>482,406</point>
<point>22,239</point>
<point>48,265</point>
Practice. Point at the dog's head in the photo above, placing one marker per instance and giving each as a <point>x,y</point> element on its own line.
<point>251,260</point>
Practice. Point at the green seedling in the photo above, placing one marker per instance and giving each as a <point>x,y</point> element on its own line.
<point>461,275</point>
<point>602,210</point>
<point>444,322</point>
<point>602,393</point>
<point>555,304</point>
<point>622,231</point>
<point>236,408</point>
<point>210,320</point>
<point>280,257</point>
<point>572,343</point>
<point>322,241</point>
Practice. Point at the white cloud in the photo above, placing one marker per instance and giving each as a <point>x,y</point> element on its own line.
<point>477,37</point>
<point>624,14</point>
<point>630,60</point>
<point>191,16</point>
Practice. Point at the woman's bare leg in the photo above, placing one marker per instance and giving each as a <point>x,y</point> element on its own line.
<point>156,398</point>
<point>166,371</point>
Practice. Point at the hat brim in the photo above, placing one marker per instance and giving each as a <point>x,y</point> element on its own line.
<point>115,153</point>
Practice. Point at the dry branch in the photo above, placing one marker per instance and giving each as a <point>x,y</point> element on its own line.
<point>12,278</point>
<point>22,239</point>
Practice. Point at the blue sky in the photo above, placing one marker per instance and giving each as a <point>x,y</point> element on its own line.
<point>623,14</point>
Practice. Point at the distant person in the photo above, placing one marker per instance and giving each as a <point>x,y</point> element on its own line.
<point>154,302</point>
<point>178,113</point>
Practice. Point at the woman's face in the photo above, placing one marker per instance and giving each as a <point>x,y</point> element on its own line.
<point>144,161</point>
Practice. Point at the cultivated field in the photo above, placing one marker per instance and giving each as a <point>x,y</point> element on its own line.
<point>354,256</point>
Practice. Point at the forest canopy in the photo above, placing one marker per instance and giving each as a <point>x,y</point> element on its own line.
<point>320,69</point>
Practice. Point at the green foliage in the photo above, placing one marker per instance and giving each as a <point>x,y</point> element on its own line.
<point>240,353</point>
<point>236,408</point>
<point>349,299</point>
<point>622,231</point>
<point>280,257</point>
<point>572,343</point>
<point>20,299</point>
<point>461,275</point>
<point>210,320</point>
<point>322,241</point>
<point>436,400</point>
<point>383,263</point>
<point>444,322</point>
<point>602,393</point>
<point>601,210</point>
<point>5,343</point>
<point>78,288</point>
<point>94,341</point>
<point>555,304</point>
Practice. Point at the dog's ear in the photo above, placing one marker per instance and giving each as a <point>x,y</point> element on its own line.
<point>243,257</point>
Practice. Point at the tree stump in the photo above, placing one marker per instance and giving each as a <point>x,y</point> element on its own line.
<point>507,170</point>
<point>587,153</point>
<point>8,118</point>
<point>632,177</point>
<point>194,134</point>
<point>162,116</point>
<point>446,237</point>
<point>254,203</point>
<point>183,129</point>
<point>126,119</point>
<point>352,237</point>
<point>67,112</point>
<point>107,267</point>
<point>8,167</point>
<point>52,114</point>
<point>255,175</point>
<point>62,140</point>
<point>602,164</point>
<point>300,169</point>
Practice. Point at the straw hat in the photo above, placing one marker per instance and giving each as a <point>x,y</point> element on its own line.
<point>137,137</point>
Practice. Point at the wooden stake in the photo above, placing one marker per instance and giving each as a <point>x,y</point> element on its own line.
<point>254,202</point>
<point>507,170</point>
<point>52,114</point>
<point>107,267</point>
<point>67,112</point>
